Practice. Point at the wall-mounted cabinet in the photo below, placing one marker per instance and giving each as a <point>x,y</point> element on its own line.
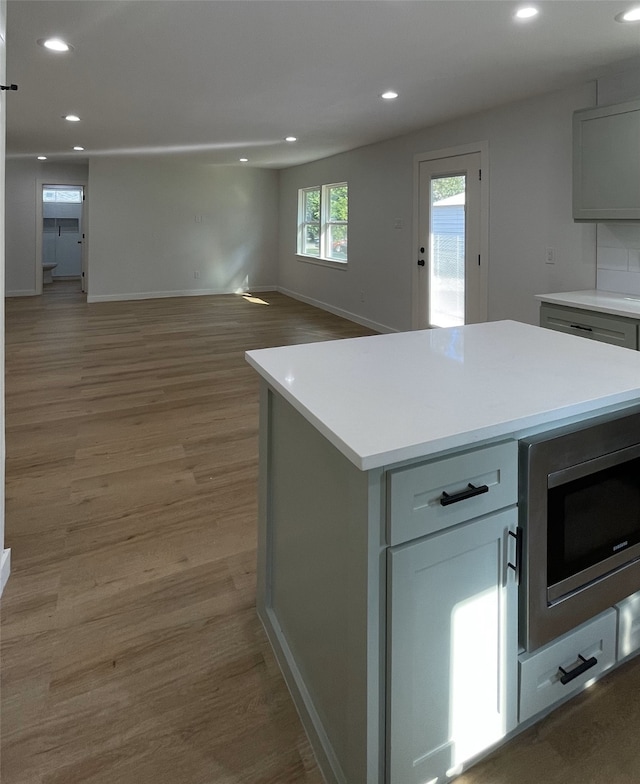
<point>606,163</point>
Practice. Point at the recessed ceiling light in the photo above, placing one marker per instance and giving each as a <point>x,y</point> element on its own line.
<point>55,44</point>
<point>632,15</point>
<point>42,157</point>
<point>526,12</point>
<point>389,95</point>
<point>71,118</point>
<point>244,160</point>
<point>79,149</point>
<point>291,138</point>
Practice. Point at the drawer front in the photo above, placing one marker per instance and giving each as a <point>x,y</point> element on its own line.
<point>628,625</point>
<point>616,330</point>
<point>415,493</point>
<point>541,672</point>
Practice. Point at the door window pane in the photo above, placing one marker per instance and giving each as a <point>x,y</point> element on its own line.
<point>447,257</point>
<point>62,194</point>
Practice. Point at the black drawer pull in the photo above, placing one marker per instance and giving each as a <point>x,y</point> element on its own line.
<point>579,326</point>
<point>586,664</point>
<point>469,492</point>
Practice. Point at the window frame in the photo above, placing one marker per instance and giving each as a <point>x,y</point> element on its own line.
<point>324,226</point>
<point>304,224</point>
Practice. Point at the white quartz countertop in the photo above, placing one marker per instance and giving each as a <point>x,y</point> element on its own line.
<point>599,301</point>
<point>388,398</point>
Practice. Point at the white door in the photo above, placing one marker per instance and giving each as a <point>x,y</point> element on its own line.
<point>451,271</point>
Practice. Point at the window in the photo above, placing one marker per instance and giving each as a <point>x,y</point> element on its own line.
<point>309,239</point>
<point>323,217</point>
<point>62,193</point>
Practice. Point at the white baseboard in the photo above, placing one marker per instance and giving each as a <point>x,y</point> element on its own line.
<point>5,568</point>
<point>166,294</point>
<point>25,293</point>
<point>365,322</point>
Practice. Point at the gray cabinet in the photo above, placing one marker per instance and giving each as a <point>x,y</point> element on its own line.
<point>606,163</point>
<point>606,328</point>
<point>452,648</point>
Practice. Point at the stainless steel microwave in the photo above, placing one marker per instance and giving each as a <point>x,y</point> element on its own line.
<point>579,513</point>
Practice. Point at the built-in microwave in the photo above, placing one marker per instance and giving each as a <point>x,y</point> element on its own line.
<point>579,514</point>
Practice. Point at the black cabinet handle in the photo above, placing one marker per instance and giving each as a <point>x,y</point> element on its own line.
<point>585,664</point>
<point>517,565</point>
<point>469,492</point>
<point>584,329</point>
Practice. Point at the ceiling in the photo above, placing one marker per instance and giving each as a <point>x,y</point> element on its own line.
<point>217,80</point>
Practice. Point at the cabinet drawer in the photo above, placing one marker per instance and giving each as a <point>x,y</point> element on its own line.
<point>617,330</point>
<point>628,625</point>
<point>541,672</point>
<point>415,493</point>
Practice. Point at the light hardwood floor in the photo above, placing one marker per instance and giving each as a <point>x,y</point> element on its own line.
<point>131,651</point>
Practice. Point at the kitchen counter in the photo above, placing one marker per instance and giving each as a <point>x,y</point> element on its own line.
<point>387,569</point>
<point>599,301</point>
<point>388,398</point>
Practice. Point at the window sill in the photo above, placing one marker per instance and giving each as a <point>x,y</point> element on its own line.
<point>342,265</point>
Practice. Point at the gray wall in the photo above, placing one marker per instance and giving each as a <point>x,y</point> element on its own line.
<point>530,209</point>
<point>154,224</point>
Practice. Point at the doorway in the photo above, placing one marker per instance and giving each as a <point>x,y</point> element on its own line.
<point>450,276</point>
<point>61,235</point>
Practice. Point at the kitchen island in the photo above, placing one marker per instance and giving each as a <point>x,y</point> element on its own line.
<point>393,615</point>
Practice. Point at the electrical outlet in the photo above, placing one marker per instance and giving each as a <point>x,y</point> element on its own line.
<point>361,296</point>
<point>550,257</point>
<point>196,274</point>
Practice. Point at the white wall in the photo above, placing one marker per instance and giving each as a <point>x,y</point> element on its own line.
<point>22,177</point>
<point>530,156</point>
<point>154,223</point>
<point>5,553</point>
<point>620,85</point>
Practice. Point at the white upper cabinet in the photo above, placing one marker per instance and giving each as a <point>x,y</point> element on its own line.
<point>606,163</point>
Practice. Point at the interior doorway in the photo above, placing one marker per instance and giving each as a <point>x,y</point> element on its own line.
<point>61,235</point>
<point>450,273</point>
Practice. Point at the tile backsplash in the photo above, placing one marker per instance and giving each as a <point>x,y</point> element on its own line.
<point>618,257</point>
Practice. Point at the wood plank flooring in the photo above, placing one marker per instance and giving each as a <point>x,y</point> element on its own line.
<point>131,651</point>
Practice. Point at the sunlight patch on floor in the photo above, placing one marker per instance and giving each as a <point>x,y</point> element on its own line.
<point>256,300</point>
